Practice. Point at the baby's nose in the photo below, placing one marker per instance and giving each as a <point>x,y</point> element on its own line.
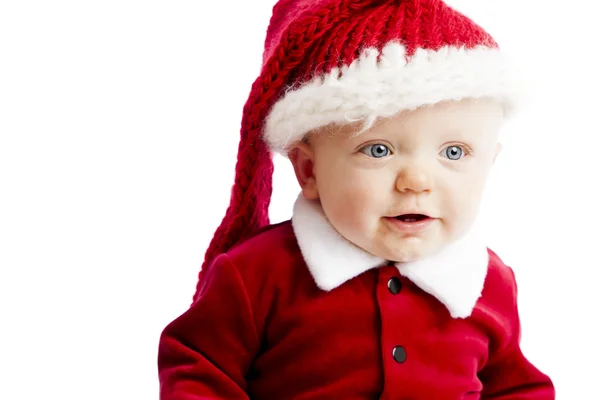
<point>414,178</point>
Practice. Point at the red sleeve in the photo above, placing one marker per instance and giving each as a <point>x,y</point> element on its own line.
<point>206,352</point>
<point>509,375</point>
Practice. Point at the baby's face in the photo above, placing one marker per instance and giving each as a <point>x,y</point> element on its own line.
<point>432,162</point>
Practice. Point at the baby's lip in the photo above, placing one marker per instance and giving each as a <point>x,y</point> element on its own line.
<point>412,217</point>
<point>412,212</point>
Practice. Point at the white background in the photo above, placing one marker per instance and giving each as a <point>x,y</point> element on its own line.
<point>119,125</point>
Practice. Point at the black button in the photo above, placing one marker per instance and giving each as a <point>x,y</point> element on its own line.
<point>395,285</point>
<point>399,354</point>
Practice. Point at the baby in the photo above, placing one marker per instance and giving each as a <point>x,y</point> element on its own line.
<point>380,285</point>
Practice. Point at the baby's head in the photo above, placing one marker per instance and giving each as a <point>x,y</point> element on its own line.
<point>385,107</point>
<point>408,185</point>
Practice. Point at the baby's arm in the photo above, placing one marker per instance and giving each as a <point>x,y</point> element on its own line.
<point>206,352</point>
<point>508,375</point>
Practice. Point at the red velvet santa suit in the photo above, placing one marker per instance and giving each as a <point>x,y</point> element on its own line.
<point>297,312</point>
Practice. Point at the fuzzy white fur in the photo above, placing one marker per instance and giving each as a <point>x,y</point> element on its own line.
<point>369,88</point>
<point>455,276</point>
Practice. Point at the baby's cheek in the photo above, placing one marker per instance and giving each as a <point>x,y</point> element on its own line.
<point>349,211</point>
<point>462,210</point>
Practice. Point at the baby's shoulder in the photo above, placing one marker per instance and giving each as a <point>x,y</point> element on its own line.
<point>271,269</point>
<point>500,276</point>
<point>500,287</point>
<point>270,250</point>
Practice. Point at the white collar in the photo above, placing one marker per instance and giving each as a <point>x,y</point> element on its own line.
<point>455,276</point>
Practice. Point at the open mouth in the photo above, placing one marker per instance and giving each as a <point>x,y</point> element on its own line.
<point>412,217</point>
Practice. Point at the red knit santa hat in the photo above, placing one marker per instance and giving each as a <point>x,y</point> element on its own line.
<point>335,61</point>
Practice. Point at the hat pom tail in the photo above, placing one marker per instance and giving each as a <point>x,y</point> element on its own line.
<point>250,198</point>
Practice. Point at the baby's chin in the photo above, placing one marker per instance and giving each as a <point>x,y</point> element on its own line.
<point>408,252</point>
<point>407,257</point>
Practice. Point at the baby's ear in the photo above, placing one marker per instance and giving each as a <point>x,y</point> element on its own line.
<point>302,158</point>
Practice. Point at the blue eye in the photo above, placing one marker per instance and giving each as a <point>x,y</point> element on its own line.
<point>453,153</point>
<point>376,150</point>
